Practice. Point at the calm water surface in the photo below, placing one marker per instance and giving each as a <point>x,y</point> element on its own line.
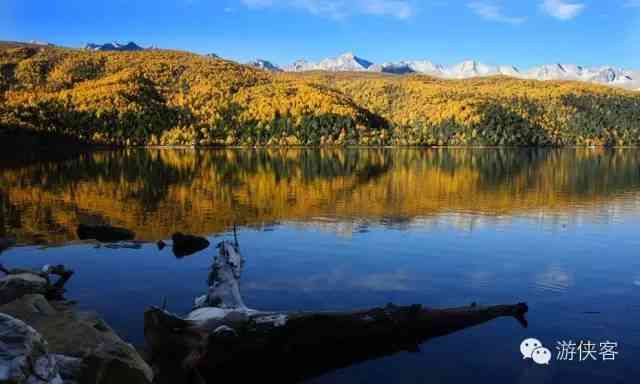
<point>348,229</point>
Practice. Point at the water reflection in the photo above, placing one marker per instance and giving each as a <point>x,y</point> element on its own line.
<point>158,192</point>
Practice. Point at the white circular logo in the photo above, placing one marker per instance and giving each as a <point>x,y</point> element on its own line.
<point>528,346</point>
<point>541,356</point>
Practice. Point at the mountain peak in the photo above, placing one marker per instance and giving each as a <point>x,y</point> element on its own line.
<point>345,62</point>
<point>114,46</point>
<point>264,65</point>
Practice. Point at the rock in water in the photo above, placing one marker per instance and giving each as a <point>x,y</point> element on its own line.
<point>14,286</point>
<point>104,233</point>
<point>186,245</point>
<point>24,355</point>
<point>20,282</point>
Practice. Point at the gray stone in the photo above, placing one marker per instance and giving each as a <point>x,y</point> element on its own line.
<point>86,348</point>
<point>68,332</point>
<point>24,355</point>
<point>114,363</point>
<point>70,368</point>
<point>16,285</point>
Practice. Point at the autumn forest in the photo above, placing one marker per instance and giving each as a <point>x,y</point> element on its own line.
<point>161,97</point>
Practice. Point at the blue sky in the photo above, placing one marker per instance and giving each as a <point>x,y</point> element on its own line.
<point>519,32</point>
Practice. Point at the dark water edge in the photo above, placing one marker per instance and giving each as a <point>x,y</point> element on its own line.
<point>345,229</point>
<point>20,147</point>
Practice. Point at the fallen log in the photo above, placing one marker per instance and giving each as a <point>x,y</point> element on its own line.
<point>290,347</point>
<point>221,347</point>
<point>221,337</point>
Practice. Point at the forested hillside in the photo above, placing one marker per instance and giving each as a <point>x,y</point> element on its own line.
<point>161,97</point>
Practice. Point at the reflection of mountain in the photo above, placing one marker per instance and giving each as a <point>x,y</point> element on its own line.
<point>156,192</point>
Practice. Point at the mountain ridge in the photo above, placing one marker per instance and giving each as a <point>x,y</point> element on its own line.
<point>348,62</point>
<point>114,46</point>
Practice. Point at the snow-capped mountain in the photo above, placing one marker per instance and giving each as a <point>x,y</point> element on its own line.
<point>400,68</point>
<point>264,65</point>
<point>403,67</point>
<point>344,62</point>
<point>601,75</point>
<point>509,70</point>
<point>470,68</point>
<point>115,46</point>
<point>39,42</point>
<point>300,66</point>
<point>552,72</point>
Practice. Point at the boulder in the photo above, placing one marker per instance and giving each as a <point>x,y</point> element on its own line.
<point>87,349</point>
<point>186,245</point>
<point>24,355</point>
<point>20,282</point>
<point>70,368</point>
<point>113,363</point>
<point>104,233</point>
<point>68,332</point>
<point>16,285</point>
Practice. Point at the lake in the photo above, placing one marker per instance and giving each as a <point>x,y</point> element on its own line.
<point>345,229</point>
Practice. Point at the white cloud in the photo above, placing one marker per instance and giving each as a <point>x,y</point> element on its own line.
<point>562,10</point>
<point>493,12</point>
<point>338,9</point>
<point>398,9</point>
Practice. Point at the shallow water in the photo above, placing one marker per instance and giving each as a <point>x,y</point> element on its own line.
<point>332,229</point>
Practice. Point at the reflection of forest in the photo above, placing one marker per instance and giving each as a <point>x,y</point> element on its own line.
<point>155,192</point>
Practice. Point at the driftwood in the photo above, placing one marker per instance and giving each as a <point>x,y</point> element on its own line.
<point>218,341</point>
<point>56,290</point>
<point>295,346</point>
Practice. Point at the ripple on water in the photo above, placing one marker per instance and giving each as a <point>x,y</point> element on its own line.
<point>554,279</point>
